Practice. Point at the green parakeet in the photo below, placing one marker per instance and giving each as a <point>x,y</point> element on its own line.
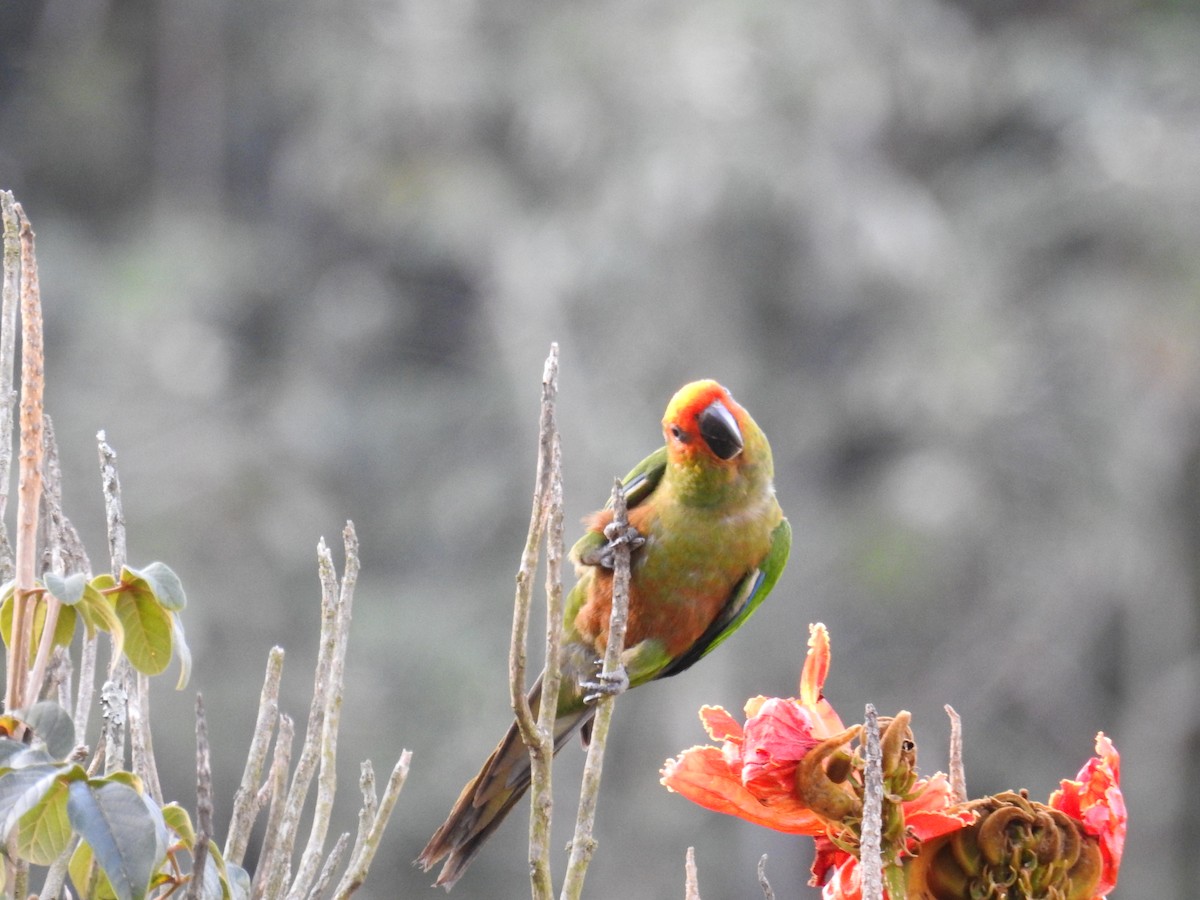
<point>713,543</point>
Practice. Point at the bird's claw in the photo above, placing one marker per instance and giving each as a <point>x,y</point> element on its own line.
<point>607,684</point>
<point>605,555</point>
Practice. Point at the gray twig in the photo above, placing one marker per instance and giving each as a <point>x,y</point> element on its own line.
<point>29,469</point>
<point>114,513</point>
<point>370,805</point>
<point>364,854</point>
<point>332,693</point>
<point>958,774</point>
<point>768,894</point>
<point>52,555</point>
<point>113,706</point>
<point>245,801</point>
<point>870,858</point>
<point>331,863</point>
<point>279,864</point>
<point>137,685</point>
<point>691,887</point>
<point>204,805</point>
<point>56,875</point>
<point>8,343</point>
<point>275,793</point>
<point>583,844</point>
<point>538,733</point>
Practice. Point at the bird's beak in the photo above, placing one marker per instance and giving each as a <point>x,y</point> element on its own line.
<point>720,430</point>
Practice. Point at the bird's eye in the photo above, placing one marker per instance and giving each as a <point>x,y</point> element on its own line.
<point>677,432</point>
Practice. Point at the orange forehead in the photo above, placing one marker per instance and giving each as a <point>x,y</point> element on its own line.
<point>691,399</point>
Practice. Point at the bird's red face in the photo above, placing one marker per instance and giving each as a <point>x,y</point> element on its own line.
<point>703,419</point>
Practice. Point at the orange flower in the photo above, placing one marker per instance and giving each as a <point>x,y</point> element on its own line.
<point>1094,798</point>
<point>794,767</point>
<point>753,775</point>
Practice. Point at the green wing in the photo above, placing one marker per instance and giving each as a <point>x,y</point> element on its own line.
<point>745,598</point>
<point>639,484</point>
<point>643,478</point>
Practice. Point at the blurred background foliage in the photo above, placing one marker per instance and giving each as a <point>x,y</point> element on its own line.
<point>303,261</point>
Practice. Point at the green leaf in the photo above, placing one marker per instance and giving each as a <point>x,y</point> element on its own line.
<point>64,625</point>
<point>117,825</point>
<point>21,790</point>
<point>64,628</point>
<point>214,886</point>
<point>67,590</point>
<point>162,835</point>
<point>104,582</point>
<point>181,649</point>
<point>80,870</point>
<point>6,616</point>
<point>180,822</point>
<point>147,626</point>
<point>52,724</point>
<point>238,880</point>
<point>8,749</point>
<point>99,613</point>
<point>128,779</point>
<point>44,831</point>
<point>6,612</point>
<point>165,583</point>
<point>18,755</point>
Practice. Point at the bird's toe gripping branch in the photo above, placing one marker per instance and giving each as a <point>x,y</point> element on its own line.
<point>606,684</point>
<point>604,554</point>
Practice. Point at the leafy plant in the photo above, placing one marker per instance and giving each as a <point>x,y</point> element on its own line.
<point>91,816</point>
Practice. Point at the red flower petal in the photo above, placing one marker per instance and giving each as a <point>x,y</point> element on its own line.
<point>775,739</point>
<point>846,883</point>
<point>720,725</point>
<point>1095,799</point>
<point>933,812</point>
<point>816,665</point>
<point>704,776</point>
<point>828,857</point>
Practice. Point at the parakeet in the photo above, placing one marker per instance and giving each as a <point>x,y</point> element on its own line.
<point>712,541</point>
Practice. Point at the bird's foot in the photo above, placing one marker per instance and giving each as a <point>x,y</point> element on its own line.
<point>606,684</point>
<point>605,554</point>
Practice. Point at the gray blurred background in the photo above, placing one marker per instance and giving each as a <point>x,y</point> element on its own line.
<point>304,260</point>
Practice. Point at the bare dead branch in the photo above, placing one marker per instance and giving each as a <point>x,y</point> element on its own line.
<point>370,806</point>
<point>8,341</point>
<point>245,801</point>
<point>113,705</point>
<point>54,526</point>
<point>364,854</point>
<point>958,774</point>
<point>204,805</point>
<point>332,692</point>
<point>66,555</point>
<point>114,512</point>
<point>538,734</point>
<point>691,887</point>
<point>331,863</point>
<point>768,894</point>
<point>141,743</point>
<point>87,687</point>
<point>871,841</point>
<point>56,876</point>
<point>276,794</point>
<point>583,844</point>
<point>29,468</point>
<point>136,684</point>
